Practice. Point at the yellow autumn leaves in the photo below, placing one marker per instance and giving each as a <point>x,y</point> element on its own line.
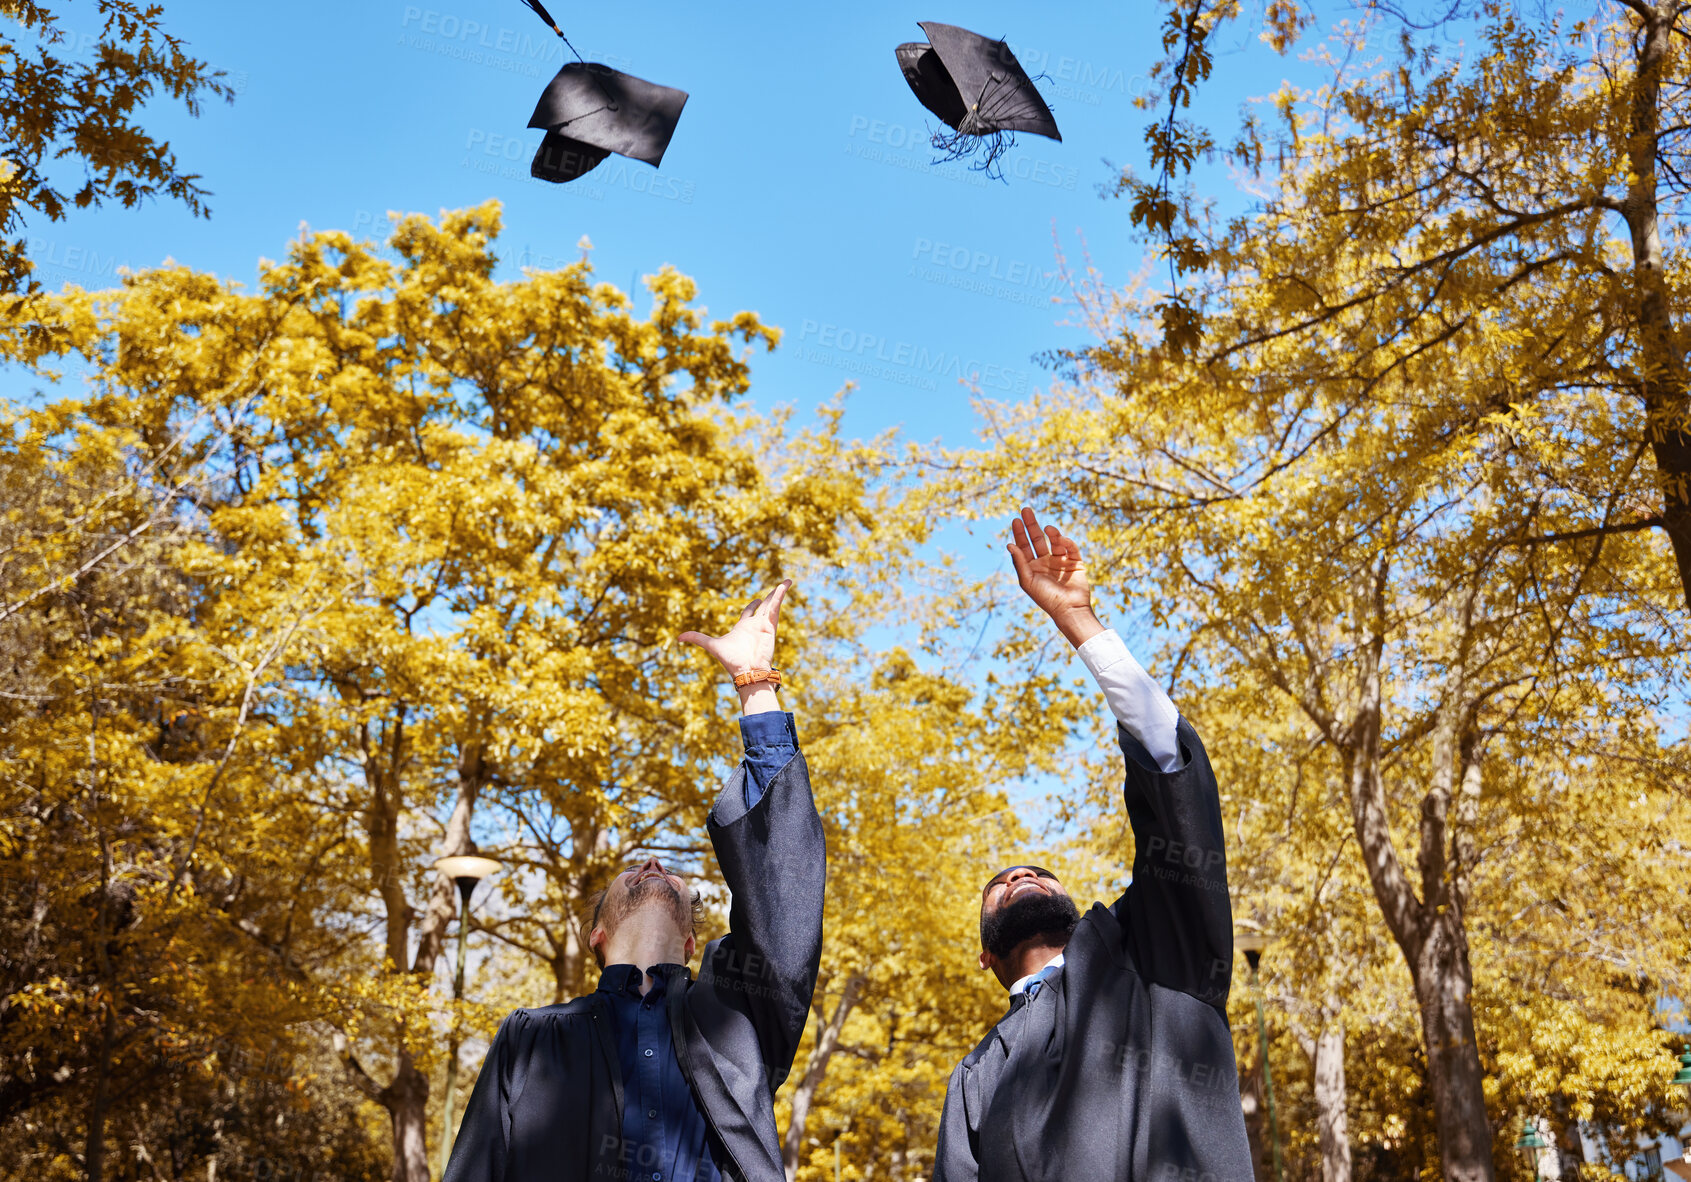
<point>311,583</point>
<point>385,558</point>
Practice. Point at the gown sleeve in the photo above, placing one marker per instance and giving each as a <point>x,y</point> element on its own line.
<point>1176,915</point>
<point>479,1152</point>
<point>774,861</point>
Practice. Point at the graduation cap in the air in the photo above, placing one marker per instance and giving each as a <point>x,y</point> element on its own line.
<point>589,110</point>
<point>977,88</point>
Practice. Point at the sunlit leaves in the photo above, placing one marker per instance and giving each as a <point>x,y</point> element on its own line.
<point>65,102</point>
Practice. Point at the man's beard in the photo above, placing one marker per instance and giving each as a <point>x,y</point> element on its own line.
<point>1035,914</point>
<point>655,891</point>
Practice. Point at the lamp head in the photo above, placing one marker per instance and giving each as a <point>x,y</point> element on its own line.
<point>466,870</point>
<point>1683,1079</point>
<point>1251,944</point>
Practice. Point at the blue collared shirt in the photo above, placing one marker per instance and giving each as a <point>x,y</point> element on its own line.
<point>663,1130</point>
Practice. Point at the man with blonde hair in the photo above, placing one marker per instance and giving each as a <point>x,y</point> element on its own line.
<point>653,1075</point>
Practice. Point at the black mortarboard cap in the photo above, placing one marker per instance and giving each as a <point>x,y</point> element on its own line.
<point>974,84</point>
<point>589,110</point>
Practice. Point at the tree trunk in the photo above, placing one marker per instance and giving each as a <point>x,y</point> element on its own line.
<point>1667,406</point>
<point>1331,1125</point>
<point>95,1156</point>
<point>383,771</point>
<point>1444,980</point>
<point>1443,984</point>
<point>1570,1150</point>
<point>1256,1119</point>
<point>816,1069</point>
<point>567,964</point>
<point>407,1102</point>
<point>442,906</point>
<point>406,1097</point>
<point>1429,930</point>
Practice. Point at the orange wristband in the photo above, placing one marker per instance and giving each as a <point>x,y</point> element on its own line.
<point>751,676</point>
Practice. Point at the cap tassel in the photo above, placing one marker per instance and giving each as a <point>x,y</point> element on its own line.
<point>540,11</point>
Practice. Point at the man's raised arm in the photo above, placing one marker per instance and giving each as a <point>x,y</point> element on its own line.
<point>769,843</point>
<point>1176,913</point>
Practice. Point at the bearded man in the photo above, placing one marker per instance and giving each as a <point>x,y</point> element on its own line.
<point>654,1075</point>
<point>1114,1060</point>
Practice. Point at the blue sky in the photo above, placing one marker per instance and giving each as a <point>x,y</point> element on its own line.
<point>799,183</point>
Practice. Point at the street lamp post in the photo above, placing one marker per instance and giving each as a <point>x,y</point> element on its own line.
<point>1252,944</point>
<point>1679,1167</point>
<point>1531,1143</point>
<point>1683,1078</point>
<point>466,870</point>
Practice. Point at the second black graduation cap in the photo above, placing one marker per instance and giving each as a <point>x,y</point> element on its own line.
<point>974,84</point>
<point>589,110</point>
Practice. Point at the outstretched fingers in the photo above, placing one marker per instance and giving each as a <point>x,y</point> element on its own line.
<point>766,609</point>
<point>771,603</point>
<point>1020,556</point>
<point>1061,546</point>
<point>1036,536</point>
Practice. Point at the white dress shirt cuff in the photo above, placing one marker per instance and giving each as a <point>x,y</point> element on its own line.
<point>1138,703</point>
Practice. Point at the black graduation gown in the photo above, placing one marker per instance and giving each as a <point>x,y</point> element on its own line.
<point>1122,1067</point>
<point>547,1106</point>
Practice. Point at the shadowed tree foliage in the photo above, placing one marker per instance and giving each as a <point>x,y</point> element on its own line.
<point>69,136</point>
<point>315,576</point>
<point>1496,181</point>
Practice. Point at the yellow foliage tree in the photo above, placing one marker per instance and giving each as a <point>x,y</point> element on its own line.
<point>55,106</point>
<point>448,526</point>
<point>132,994</point>
<point>1346,548</point>
<point>913,769</point>
<point>1523,203</point>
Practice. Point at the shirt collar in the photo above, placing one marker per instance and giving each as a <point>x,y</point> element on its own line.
<point>625,978</point>
<point>1021,985</point>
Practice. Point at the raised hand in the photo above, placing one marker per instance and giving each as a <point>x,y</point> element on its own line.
<point>1051,573</point>
<point>750,643</point>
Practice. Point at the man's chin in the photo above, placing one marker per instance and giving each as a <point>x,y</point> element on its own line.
<point>659,893</point>
<point>656,889</point>
<point>1044,917</point>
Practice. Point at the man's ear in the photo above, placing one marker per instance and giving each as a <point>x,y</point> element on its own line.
<point>596,941</point>
<point>988,960</point>
<point>687,950</point>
